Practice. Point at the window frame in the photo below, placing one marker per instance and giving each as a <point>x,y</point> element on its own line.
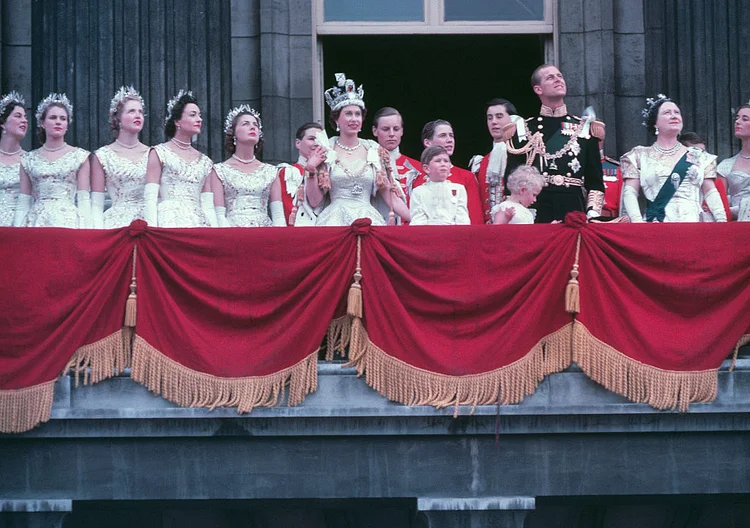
<point>434,24</point>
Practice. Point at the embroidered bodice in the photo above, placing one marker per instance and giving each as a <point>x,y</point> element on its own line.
<point>246,194</point>
<point>10,185</point>
<point>54,180</point>
<point>53,187</point>
<point>653,170</point>
<point>180,179</point>
<point>125,182</point>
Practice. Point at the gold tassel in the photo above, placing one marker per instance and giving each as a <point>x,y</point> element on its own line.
<point>354,302</point>
<point>131,303</point>
<point>572,290</point>
<point>298,200</point>
<point>324,179</point>
<point>745,339</point>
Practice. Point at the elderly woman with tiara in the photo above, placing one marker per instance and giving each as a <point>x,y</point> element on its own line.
<point>178,173</point>
<point>56,175</point>
<point>13,124</point>
<point>356,173</point>
<point>243,185</point>
<point>120,167</point>
<point>671,176</point>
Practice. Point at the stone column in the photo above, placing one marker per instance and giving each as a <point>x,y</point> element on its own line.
<point>15,64</point>
<point>286,72</point>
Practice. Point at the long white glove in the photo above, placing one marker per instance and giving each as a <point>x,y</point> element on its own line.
<point>23,204</point>
<point>630,204</point>
<point>207,204</point>
<point>150,198</point>
<point>277,214</point>
<point>97,209</point>
<point>83,198</point>
<point>713,201</point>
<point>221,216</point>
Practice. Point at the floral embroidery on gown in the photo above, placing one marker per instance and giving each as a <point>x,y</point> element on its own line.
<point>738,189</point>
<point>125,181</point>
<point>53,188</point>
<point>180,189</point>
<point>10,186</point>
<point>246,194</point>
<point>653,169</point>
<point>354,189</point>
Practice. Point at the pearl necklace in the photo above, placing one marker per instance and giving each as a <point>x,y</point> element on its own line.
<point>17,151</point>
<point>741,155</point>
<point>45,147</point>
<point>124,145</point>
<point>246,161</point>
<point>184,145</point>
<point>667,151</point>
<point>349,149</point>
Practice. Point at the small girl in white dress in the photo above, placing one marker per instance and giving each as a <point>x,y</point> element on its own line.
<point>524,183</point>
<point>438,201</point>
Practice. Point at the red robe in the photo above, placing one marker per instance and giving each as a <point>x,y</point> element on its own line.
<point>403,170</point>
<point>484,190</point>
<point>612,187</point>
<point>288,199</point>
<point>469,181</point>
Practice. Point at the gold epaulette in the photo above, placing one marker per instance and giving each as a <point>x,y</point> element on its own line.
<point>509,131</point>
<point>598,129</point>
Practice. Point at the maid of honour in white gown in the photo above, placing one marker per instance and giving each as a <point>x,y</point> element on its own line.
<point>120,167</point>
<point>56,175</point>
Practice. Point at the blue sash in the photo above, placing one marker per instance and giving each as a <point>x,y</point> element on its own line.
<point>656,209</point>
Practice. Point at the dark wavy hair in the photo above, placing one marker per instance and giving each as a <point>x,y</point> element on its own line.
<point>9,110</point>
<point>229,136</point>
<point>179,107</point>
<point>509,107</point>
<point>653,114</point>
<point>428,131</point>
<point>40,133</point>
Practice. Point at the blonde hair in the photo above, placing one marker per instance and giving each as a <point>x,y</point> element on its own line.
<point>525,176</point>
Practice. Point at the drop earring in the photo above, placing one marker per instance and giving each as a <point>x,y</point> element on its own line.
<point>337,128</point>
<point>656,130</point>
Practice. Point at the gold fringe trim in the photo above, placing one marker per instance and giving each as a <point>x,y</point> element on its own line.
<point>101,360</point>
<point>640,383</point>
<point>400,382</point>
<point>23,409</point>
<point>337,338</point>
<point>189,388</point>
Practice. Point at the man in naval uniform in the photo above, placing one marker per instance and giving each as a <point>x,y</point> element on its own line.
<point>388,129</point>
<point>563,147</point>
<point>490,169</point>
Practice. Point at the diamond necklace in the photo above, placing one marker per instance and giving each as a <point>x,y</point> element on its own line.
<point>349,149</point>
<point>246,161</point>
<point>184,145</point>
<point>668,151</point>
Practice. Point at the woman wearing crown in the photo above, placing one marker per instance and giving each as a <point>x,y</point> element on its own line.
<point>356,173</point>
<point>671,176</point>
<point>178,173</point>
<point>243,185</point>
<point>56,175</point>
<point>13,124</point>
<point>121,165</point>
<point>736,170</point>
